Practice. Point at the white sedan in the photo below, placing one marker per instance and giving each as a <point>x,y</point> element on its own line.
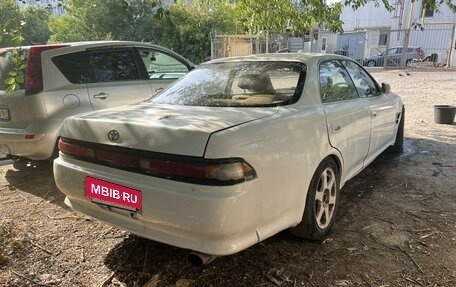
<point>234,152</point>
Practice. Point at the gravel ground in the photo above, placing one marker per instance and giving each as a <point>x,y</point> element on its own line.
<point>396,224</point>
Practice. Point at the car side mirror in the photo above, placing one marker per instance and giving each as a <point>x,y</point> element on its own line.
<point>386,88</point>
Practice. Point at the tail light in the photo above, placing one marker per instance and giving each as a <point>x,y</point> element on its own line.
<point>34,73</point>
<point>419,52</point>
<point>180,168</point>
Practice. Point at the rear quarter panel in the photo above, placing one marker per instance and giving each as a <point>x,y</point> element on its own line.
<point>285,150</point>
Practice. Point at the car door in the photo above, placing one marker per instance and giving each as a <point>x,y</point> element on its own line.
<point>382,109</point>
<point>393,56</point>
<point>117,78</point>
<point>162,67</point>
<point>348,118</point>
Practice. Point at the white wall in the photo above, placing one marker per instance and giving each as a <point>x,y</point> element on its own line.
<point>436,37</point>
<point>370,16</point>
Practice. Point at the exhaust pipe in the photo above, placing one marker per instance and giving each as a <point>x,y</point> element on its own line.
<point>199,259</point>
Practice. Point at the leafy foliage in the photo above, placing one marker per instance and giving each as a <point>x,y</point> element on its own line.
<point>15,78</point>
<point>187,29</point>
<point>184,28</point>
<point>105,20</point>
<point>36,28</point>
<point>436,4</point>
<point>296,16</point>
<point>11,23</point>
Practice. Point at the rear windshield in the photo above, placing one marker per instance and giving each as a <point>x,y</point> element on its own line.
<point>250,84</point>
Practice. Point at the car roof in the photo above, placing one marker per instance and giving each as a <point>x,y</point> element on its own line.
<point>285,57</point>
<point>101,44</point>
<point>91,44</point>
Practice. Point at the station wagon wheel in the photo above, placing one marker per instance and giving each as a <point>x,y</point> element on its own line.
<point>321,203</point>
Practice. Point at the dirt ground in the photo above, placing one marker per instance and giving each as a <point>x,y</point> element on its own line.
<point>396,225</point>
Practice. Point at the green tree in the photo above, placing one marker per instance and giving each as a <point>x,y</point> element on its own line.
<point>183,28</point>
<point>187,29</point>
<point>11,23</point>
<point>105,19</point>
<point>36,28</point>
<point>299,16</point>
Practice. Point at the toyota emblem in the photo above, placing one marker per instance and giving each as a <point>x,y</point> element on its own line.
<point>113,135</point>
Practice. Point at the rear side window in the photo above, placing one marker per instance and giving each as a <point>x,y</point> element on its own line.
<point>75,67</point>
<point>111,66</point>
<point>101,66</point>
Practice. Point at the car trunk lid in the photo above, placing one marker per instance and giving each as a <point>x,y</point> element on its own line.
<point>173,129</point>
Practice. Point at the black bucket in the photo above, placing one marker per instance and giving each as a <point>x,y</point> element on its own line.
<point>444,114</point>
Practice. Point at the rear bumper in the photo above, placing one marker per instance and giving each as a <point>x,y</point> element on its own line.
<point>212,220</point>
<point>23,143</point>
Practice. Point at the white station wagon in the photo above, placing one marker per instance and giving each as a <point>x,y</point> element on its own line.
<point>72,78</point>
<point>232,153</point>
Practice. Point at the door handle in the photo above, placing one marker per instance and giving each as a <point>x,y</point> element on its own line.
<point>374,115</point>
<point>101,96</point>
<point>336,128</point>
<point>158,90</point>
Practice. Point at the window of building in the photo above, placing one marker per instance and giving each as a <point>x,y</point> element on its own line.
<point>382,39</point>
<point>323,44</point>
<point>429,10</point>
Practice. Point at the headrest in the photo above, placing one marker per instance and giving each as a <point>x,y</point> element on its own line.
<point>257,83</point>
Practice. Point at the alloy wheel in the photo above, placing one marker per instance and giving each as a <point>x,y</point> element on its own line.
<point>325,198</point>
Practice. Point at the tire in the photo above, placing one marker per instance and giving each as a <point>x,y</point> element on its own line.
<point>398,146</point>
<point>321,203</point>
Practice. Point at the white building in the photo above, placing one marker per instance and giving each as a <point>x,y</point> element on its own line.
<point>433,31</point>
<point>54,6</point>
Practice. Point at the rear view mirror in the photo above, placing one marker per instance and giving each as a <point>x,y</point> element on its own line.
<point>386,88</point>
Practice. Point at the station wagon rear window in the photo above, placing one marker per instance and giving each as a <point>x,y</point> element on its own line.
<point>243,84</point>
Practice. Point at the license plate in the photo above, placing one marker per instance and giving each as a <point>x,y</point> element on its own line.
<point>4,114</point>
<point>113,194</point>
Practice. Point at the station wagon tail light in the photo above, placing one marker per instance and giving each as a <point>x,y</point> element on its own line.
<point>34,73</point>
<point>180,168</point>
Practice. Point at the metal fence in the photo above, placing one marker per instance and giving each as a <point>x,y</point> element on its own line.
<point>242,45</point>
<point>426,45</point>
<point>433,44</point>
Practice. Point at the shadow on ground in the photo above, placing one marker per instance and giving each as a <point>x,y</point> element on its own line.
<point>383,212</point>
<point>136,260</point>
<point>268,263</point>
<point>36,178</point>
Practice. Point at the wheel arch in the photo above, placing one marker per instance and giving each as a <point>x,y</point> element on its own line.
<point>339,165</point>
